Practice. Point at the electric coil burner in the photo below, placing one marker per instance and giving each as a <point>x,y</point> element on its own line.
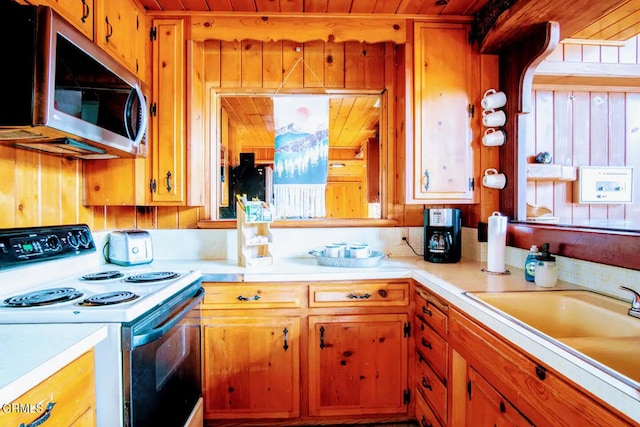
<point>108,298</point>
<point>154,276</point>
<point>43,297</point>
<point>103,275</point>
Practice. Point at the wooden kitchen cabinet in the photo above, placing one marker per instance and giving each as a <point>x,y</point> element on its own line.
<point>251,350</point>
<point>487,408</point>
<point>495,371</point>
<point>358,348</point>
<point>443,156</point>
<point>78,13</point>
<point>432,353</point>
<point>66,398</point>
<point>121,31</point>
<point>358,364</point>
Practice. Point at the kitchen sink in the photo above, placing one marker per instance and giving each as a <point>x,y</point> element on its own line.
<point>566,314</point>
<point>586,322</point>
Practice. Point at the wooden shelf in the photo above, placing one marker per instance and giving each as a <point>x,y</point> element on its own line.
<point>254,238</point>
<point>543,172</point>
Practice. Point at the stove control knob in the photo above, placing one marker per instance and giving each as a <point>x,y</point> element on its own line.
<point>83,238</point>
<point>73,240</point>
<point>53,242</point>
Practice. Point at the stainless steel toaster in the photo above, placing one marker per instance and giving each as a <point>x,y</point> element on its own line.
<point>130,247</point>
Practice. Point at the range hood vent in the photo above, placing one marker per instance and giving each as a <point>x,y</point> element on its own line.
<point>66,147</point>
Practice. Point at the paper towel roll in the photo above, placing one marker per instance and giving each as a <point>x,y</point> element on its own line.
<point>497,241</point>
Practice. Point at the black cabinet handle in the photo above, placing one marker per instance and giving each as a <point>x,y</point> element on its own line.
<point>426,384</point>
<point>85,11</point>
<point>427,344</point>
<point>169,180</point>
<point>109,29</point>
<point>423,422</point>
<point>152,185</point>
<point>253,298</point>
<point>541,372</point>
<point>353,296</point>
<point>321,337</point>
<point>286,333</point>
<point>44,417</point>
<point>426,311</point>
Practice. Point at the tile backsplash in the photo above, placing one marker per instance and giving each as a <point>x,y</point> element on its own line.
<point>297,242</point>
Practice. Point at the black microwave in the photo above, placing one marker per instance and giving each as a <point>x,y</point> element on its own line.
<point>62,94</point>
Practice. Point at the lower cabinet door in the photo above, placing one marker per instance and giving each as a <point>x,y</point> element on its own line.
<point>487,408</point>
<point>358,365</point>
<point>251,367</point>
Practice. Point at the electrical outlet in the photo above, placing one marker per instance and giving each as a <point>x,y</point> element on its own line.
<point>405,234</point>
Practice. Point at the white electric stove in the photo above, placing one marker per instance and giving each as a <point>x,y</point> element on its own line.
<point>106,295</point>
<point>152,350</point>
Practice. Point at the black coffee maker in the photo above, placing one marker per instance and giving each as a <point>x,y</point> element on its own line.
<point>442,235</point>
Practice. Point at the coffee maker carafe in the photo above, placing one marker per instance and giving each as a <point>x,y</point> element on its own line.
<point>442,235</point>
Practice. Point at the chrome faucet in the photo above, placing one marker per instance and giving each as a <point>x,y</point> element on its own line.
<point>635,302</point>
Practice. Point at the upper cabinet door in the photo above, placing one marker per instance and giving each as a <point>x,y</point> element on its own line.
<point>120,30</point>
<point>168,103</point>
<point>443,164</point>
<point>78,12</point>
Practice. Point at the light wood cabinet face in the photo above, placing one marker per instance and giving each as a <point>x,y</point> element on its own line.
<point>168,122</point>
<point>251,367</point>
<point>357,364</point>
<point>119,30</point>
<point>253,295</point>
<point>78,12</point>
<point>366,294</point>
<point>443,166</point>
<point>67,398</point>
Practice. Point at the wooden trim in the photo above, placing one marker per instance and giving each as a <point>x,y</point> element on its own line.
<point>565,73</point>
<point>274,28</point>
<point>309,223</point>
<point>594,42</point>
<point>615,248</point>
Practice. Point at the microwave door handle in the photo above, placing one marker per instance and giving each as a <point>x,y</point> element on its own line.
<point>157,333</point>
<point>135,91</point>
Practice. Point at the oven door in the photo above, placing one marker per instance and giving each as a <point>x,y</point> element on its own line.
<point>161,362</point>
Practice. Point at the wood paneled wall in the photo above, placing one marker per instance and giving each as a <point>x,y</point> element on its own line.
<point>586,128</point>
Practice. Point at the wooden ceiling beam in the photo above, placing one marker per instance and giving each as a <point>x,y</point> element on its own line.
<point>516,21</point>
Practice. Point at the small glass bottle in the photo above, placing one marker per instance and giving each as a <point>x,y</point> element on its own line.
<point>530,264</point>
<point>546,274</point>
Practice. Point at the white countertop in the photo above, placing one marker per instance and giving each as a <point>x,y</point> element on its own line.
<point>32,353</point>
<point>451,281</point>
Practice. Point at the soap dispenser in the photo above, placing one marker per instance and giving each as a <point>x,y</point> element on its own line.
<point>546,273</point>
<point>530,263</point>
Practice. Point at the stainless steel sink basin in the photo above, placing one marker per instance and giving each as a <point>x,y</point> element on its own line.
<point>584,322</point>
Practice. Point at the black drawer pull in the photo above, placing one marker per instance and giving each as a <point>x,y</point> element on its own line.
<point>427,344</point>
<point>253,298</point>
<point>423,422</point>
<point>44,417</point>
<point>541,372</point>
<point>353,296</point>
<point>426,311</point>
<point>426,384</point>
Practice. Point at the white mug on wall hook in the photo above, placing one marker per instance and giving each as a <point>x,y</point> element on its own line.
<point>494,179</point>
<point>493,137</point>
<point>493,99</point>
<point>493,118</point>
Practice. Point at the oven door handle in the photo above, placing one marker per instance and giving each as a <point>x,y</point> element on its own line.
<point>157,333</point>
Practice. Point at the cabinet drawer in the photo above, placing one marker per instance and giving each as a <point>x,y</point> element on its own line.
<point>71,391</point>
<point>432,310</point>
<point>252,295</point>
<point>432,388</point>
<point>432,347</point>
<point>424,414</point>
<point>359,294</point>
